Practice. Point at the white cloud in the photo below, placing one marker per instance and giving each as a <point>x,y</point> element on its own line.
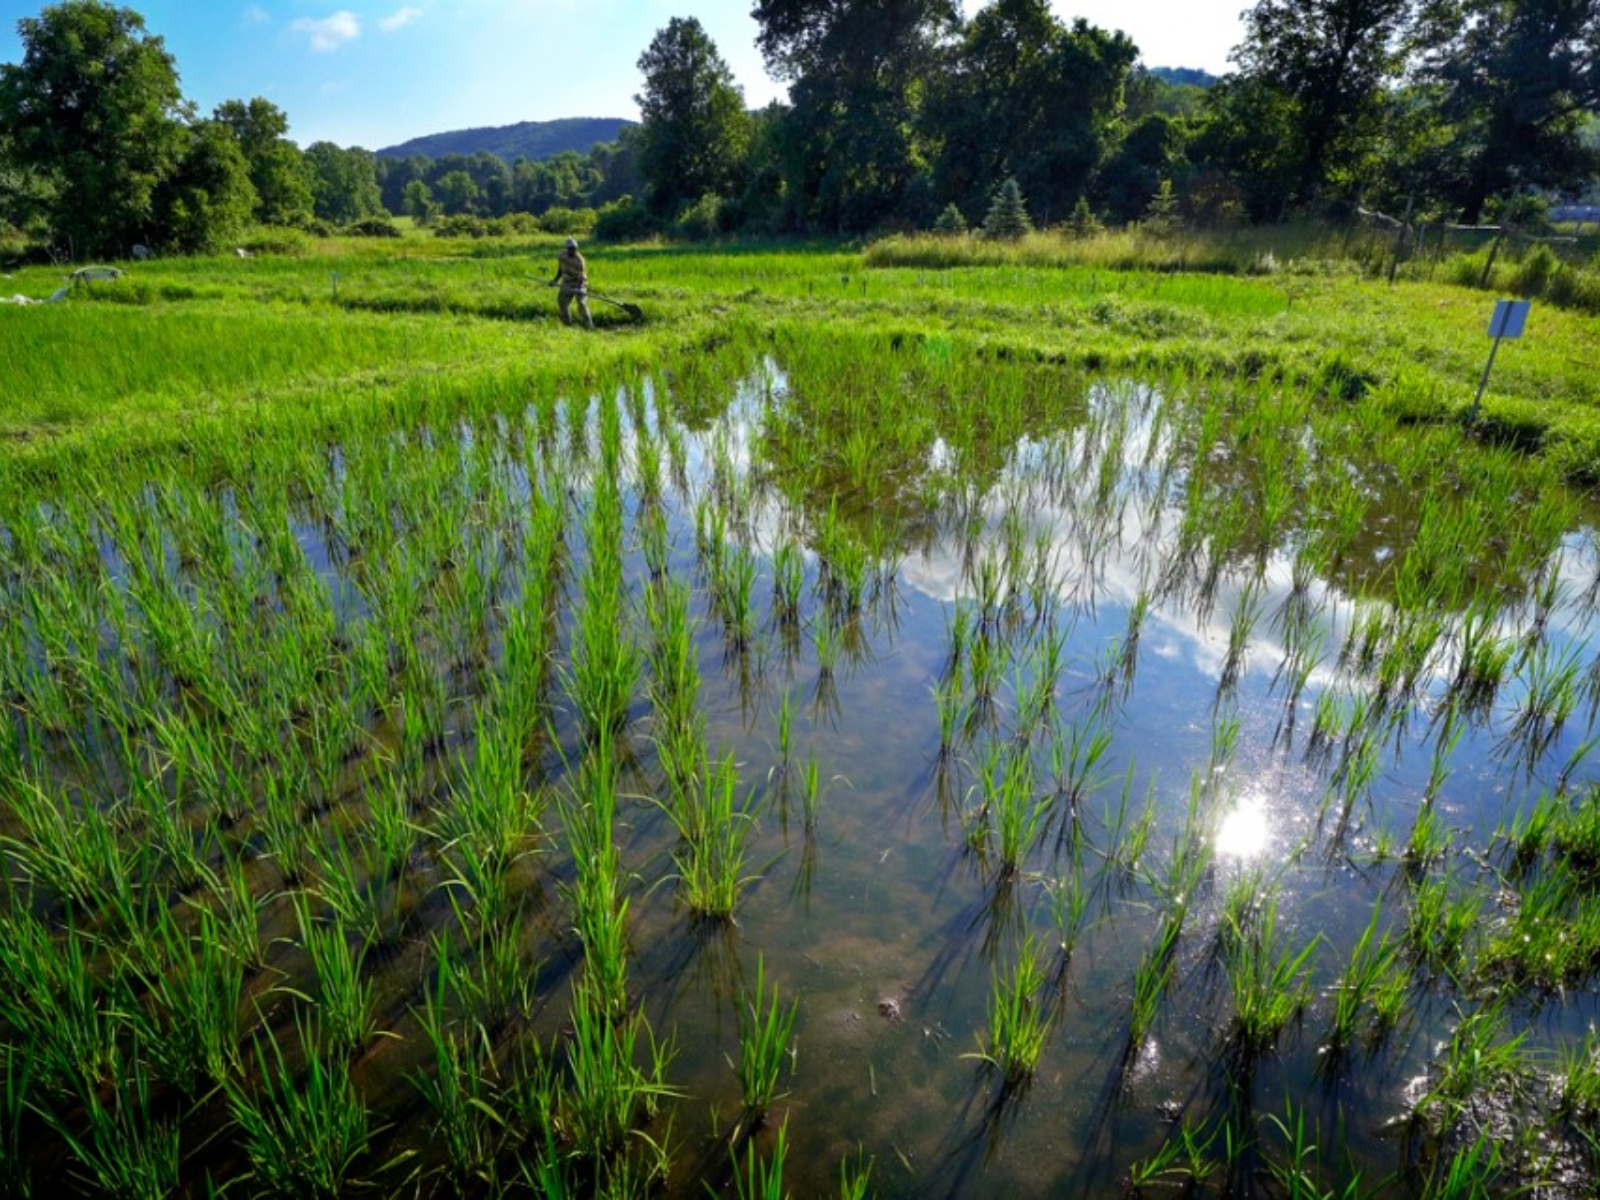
<point>399,19</point>
<point>329,33</point>
<point>256,15</point>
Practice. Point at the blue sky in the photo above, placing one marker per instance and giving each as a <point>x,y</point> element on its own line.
<point>375,73</point>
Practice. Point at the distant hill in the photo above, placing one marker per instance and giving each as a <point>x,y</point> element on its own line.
<point>528,139</point>
<point>1192,76</point>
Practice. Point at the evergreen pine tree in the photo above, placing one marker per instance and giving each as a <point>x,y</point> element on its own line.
<point>1083,223</point>
<point>950,221</point>
<point>1008,215</point>
<point>1161,215</point>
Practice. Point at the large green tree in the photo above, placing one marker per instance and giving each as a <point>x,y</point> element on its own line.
<point>1513,81</point>
<point>1246,126</point>
<point>277,168</point>
<point>851,151</point>
<point>1330,61</point>
<point>344,183</point>
<point>208,200</point>
<point>458,194</point>
<point>1026,97</point>
<point>695,133</point>
<point>94,109</point>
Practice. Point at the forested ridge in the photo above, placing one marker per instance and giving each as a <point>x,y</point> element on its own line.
<point>525,139</point>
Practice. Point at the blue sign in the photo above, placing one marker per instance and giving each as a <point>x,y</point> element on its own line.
<point>1509,318</point>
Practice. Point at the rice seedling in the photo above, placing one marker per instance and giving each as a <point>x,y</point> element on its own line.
<point>1441,923</point>
<point>237,911</point>
<point>1019,1018</point>
<point>1246,612</point>
<point>1372,961</point>
<point>1240,915</point>
<point>66,850</point>
<point>589,815</point>
<point>391,835</point>
<point>855,1179</point>
<point>605,663</point>
<point>788,580</point>
<point>488,973</point>
<point>1482,661</point>
<point>189,1028</point>
<point>616,1076</point>
<point>766,1045</point>
<point>810,792</point>
<point>1127,843</point>
<point>347,887</point>
<point>124,1151</point>
<point>674,686</point>
<point>785,734</point>
<point>738,579</point>
<point>1184,1161</point>
<point>303,1137</point>
<point>1551,694</point>
<point>1301,1175</point>
<point>1068,901</point>
<point>284,835</point>
<point>461,1095</point>
<point>1268,984</point>
<point>61,1007</point>
<point>1078,750</point>
<point>1017,813</point>
<point>1151,979</point>
<point>491,808</point>
<point>715,835</point>
<point>825,641</point>
<point>948,703</point>
<point>762,1179</point>
<point>16,1173</point>
<point>1429,841</point>
<point>1471,1173</point>
<point>1476,1062</point>
<point>344,998</point>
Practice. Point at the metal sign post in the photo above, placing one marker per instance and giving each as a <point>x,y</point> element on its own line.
<point>1510,316</point>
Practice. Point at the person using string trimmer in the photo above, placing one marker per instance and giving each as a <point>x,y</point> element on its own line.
<point>573,278</point>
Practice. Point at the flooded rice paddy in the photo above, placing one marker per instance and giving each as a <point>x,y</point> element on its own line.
<point>1130,788</point>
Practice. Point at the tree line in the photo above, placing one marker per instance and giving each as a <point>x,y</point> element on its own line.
<point>901,114</point>
<point>900,109</point>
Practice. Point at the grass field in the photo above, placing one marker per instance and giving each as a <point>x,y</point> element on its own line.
<point>922,719</point>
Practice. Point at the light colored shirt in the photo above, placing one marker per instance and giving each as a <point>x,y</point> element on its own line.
<point>571,272</point>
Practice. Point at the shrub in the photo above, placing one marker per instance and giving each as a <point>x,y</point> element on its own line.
<point>701,220</point>
<point>1574,289</point>
<point>373,227</point>
<point>1533,274</point>
<point>461,225</point>
<point>623,220</point>
<point>1463,270</point>
<point>276,239</point>
<point>570,222</point>
<point>514,224</point>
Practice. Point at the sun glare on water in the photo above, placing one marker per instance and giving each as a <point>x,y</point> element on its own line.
<point>1245,831</point>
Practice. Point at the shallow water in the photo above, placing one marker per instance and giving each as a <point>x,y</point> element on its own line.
<point>884,919</point>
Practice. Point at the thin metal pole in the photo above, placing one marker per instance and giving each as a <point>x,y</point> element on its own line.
<point>1484,382</point>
